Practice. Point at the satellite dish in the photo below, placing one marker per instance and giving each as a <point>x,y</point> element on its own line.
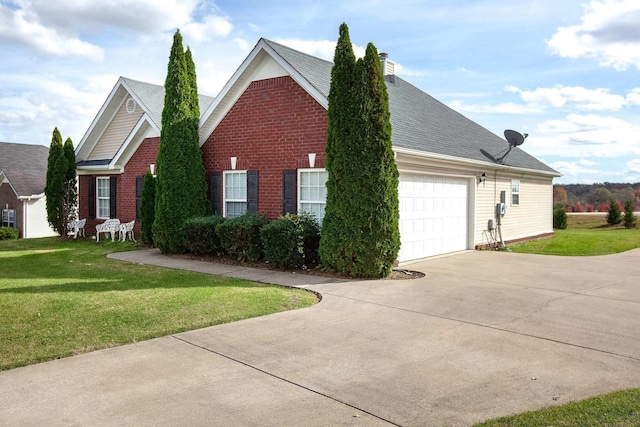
<point>514,138</point>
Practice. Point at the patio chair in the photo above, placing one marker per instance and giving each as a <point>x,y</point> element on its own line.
<point>77,227</point>
<point>126,230</point>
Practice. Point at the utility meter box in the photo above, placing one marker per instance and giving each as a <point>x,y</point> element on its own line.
<point>501,208</point>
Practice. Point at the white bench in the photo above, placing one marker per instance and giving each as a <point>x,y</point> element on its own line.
<point>109,226</point>
<point>126,230</point>
<point>77,227</point>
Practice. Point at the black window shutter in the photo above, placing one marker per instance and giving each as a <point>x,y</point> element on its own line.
<point>113,213</point>
<point>139,183</point>
<point>214,192</point>
<point>91,197</point>
<point>252,191</point>
<point>289,204</point>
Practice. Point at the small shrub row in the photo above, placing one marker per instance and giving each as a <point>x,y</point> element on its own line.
<point>289,242</point>
<point>8,233</point>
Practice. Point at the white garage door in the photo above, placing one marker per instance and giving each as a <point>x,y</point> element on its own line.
<point>433,215</point>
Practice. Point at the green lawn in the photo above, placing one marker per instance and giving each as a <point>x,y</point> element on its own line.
<point>585,235</point>
<point>620,409</point>
<point>63,298</point>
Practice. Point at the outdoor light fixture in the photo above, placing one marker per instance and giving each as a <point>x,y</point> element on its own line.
<point>482,178</point>
<point>152,169</point>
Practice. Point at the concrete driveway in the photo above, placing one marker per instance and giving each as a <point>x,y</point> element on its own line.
<point>483,334</point>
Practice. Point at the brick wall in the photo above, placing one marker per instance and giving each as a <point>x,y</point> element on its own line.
<point>273,126</point>
<point>8,198</point>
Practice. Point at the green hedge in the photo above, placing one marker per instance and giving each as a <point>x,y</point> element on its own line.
<point>201,237</point>
<point>8,233</point>
<point>240,237</point>
<point>291,241</point>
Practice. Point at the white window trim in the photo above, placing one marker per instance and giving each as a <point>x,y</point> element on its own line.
<point>300,172</point>
<point>515,192</point>
<point>10,220</point>
<point>224,190</point>
<point>98,198</point>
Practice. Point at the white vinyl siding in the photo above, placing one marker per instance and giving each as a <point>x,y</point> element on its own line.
<point>235,193</point>
<point>312,192</point>
<point>116,133</point>
<point>102,200</point>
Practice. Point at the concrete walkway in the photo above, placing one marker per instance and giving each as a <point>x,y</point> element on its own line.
<point>483,334</point>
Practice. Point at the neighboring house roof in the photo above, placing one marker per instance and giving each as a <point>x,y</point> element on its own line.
<point>420,122</point>
<point>150,98</point>
<point>25,167</point>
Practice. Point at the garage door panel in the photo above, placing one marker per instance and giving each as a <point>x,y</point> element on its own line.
<point>433,215</point>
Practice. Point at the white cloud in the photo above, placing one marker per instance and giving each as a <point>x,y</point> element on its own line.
<point>609,33</point>
<point>560,96</point>
<point>211,26</point>
<point>24,28</point>
<point>586,136</point>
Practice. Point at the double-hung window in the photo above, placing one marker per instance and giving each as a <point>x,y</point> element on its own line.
<point>235,193</point>
<point>9,218</point>
<point>515,192</point>
<point>312,191</point>
<point>103,199</point>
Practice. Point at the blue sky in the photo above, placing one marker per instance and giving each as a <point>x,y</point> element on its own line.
<point>565,72</point>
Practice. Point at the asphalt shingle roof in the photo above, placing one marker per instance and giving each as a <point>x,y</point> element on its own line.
<point>419,121</point>
<point>152,98</point>
<point>25,166</point>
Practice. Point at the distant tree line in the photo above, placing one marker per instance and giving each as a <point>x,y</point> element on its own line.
<point>595,197</point>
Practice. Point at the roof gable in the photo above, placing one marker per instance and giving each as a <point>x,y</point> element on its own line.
<point>119,144</point>
<point>25,167</point>
<point>419,122</point>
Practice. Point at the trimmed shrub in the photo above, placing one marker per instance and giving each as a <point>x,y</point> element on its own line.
<point>200,235</point>
<point>291,241</point>
<point>589,208</point>
<point>629,218</point>
<point>240,237</point>
<point>559,217</point>
<point>603,207</point>
<point>8,233</point>
<point>578,207</point>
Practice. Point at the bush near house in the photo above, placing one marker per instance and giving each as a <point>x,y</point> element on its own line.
<point>8,233</point>
<point>559,217</point>
<point>200,234</point>
<point>240,237</point>
<point>291,241</point>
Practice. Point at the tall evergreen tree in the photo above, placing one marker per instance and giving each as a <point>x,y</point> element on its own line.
<point>180,186</point>
<point>70,202</point>
<point>54,187</point>
<point>337,231</point>
<point>629,218</point>
<point>378,174</point>
<point>147,208</point>
<point>193,84</point>
<point>360,234</point>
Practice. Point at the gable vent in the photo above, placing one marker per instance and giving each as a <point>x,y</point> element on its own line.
<point>131,106</point>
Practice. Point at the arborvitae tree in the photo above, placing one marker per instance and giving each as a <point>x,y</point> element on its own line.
<point>70,202</point>
<point>629,218</point>
<point>377,195</point>
<point>614,216</point>
<point>560,216</point>
<point>147,208</point>
<point>360,234</point>
<point>337,231</point>
<point>193,83</point>
<point>54,188</point>
<point>180,186</point>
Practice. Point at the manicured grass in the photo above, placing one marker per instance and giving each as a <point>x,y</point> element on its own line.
<point>63,298</point>
<point>585,235</point>
<point>620,409</point>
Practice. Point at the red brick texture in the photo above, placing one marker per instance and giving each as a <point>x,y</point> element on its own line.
<point>273,126</point>
<point>9,200</point>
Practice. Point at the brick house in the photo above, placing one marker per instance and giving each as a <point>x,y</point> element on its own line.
<point>263,140</point>
<point>23,176</point>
